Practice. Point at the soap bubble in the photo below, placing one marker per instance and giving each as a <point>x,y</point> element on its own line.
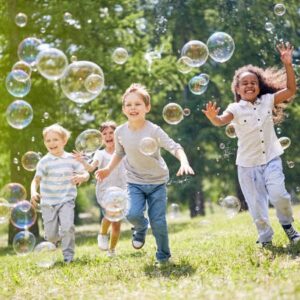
<point>73,83</point>
<point>45,254</point>
<point>184,65</point>
<point>23,66</point>
<point>221,46</point>
<point>148,146</point>
<point>230,131</point>
<point>120,56</point>
<point>21,19</point>
<point>196,85</point>
<point>18,83</point>
<point>279,9</point>
<point>174,211</point>
<point>28,50</point>
<point>4,211</point>
<point>269,26</point>
<point>285,142</point>
<point>115,202</point>
<point>173,113</point>
<point>88,141</point>
<point>29,160</point>
<point>197,51</point>
<point>19,114</point>
<point>23,215</point>
<point>232,205</point>
<point>94,83</point>
<point>23,242</point>
<point>186,112</point>
<point>13,192</point>
<point>51,63</point>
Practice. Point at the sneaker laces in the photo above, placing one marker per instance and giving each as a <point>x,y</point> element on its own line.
<point>291,233</point>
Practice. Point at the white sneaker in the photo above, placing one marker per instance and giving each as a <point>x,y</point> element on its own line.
<point>111,253</point>
<point>137,244</point>
<point>103,241</point>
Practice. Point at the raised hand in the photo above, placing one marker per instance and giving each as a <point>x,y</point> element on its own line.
<point>286,52</point>
<point>211,110</point>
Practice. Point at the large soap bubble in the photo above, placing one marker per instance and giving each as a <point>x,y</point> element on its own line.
<point>13,192</point>
<point>24,242</point>
<point>88,141</point>
<point>285,142</point>
<point>51,63</point>
<point>28,50</point>
<point>173,113</point>
<point>231,204</point>
<point>221,46</point>
<point>29,160</point>
<point>120,56</point>
<point>18,83</point>
<point>21,19</point>
<point>115,202</point>
<point>198,85</point>
<point>19,114</point>
<point>45,254</point>
<point>23,215</point>
<point>4,211</point>
<point>73,83</point>
<point>197,51</point>
<point>148,146</point>
<point>230,131</point>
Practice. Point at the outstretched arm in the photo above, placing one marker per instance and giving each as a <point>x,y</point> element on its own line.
<point>103,173</point>
<point>80,157</point>
<point>211,111</point>
<point>286,56</point>
<point>185,167</point>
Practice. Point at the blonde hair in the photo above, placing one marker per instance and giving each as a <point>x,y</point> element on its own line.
<point>107,124</point>
<point>64,133</point>
<point>139,89</point>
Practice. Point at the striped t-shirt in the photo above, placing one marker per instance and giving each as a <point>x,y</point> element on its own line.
<point>56,173</point>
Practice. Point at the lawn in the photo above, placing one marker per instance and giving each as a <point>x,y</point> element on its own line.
<point>214,257</point>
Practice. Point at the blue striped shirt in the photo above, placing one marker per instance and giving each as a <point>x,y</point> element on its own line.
<point>56,173</point>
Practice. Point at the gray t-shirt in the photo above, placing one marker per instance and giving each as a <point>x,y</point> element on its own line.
<point>141,168</point>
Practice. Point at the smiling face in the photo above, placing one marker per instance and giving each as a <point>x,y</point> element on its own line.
<point>248,87</point>
<point>134,107</point>
<point>55,143</point>
<point>108,137</point>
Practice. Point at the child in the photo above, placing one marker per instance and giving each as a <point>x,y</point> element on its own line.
<point>257,93</point>
<point>57,174</point>
<point>116,178</point>
<point>146,175</point>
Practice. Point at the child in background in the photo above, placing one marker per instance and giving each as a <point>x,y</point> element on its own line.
<point>146,175</point>
<point>257,93</point>
<point>57,175</point>
<point>116,178</point>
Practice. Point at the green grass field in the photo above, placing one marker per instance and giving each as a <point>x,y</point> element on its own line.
<point>214,258</point>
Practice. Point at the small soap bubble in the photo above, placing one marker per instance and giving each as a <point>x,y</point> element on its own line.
<point>45,255</point>
<point>232,205</point>
<point>13,192</point>
<point>285,142</point>
<point>279,9</point>
<point>148,146</point>
<point>197,51</point>
<point>23,215</point>
<point>88,141</point>
<point>230,131</point>
<point>18,83</point>
<point>21,19</point>
<point>174,211</point>
<point>186,112</point>
<point>290,164</point>
<point>24,242</point>
<point>94,83</point>
<point>120,56</point>
<point>30,160</point>
<point>23,66</point>
<point>173,113</point>
<point>28,50</point>
<point>184,65</point>
<point>19,114</point>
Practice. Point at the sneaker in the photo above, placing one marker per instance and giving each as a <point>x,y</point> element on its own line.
<point>103,241</point>
<point>111,253</point>
<point>164,263</point>
<point>136,244</point>
<point>265,244</point>
<point>68,260</point>
<point>292,234</point>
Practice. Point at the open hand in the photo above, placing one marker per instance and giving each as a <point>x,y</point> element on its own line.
<point>286,52</point>
<point>211,110</point>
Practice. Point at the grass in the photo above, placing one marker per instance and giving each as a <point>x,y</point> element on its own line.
<point>214,258</point>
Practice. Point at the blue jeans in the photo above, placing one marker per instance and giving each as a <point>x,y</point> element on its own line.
<point>155,195</point>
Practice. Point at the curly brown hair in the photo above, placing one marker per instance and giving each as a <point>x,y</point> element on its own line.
<point>270,81</point>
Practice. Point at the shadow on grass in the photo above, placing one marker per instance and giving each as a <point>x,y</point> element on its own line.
<point>170,270</point>
<point>290,250</point>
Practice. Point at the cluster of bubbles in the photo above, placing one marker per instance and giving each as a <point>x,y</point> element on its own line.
<point>198,84</point>
<point>114,203</point>
<point>148,146</point>
<point>88,141</point>
<point>231,205</point>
